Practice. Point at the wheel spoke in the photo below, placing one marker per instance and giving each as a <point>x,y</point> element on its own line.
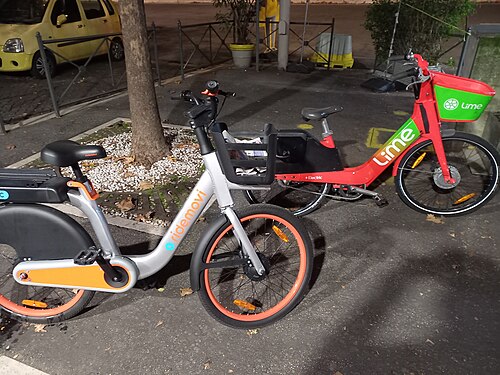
<point>246,296</point>
<point>471,165</point>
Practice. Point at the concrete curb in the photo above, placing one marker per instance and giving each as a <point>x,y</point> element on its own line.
<point>29,159</point>
<point>64,111</point>
<point>12,367</point>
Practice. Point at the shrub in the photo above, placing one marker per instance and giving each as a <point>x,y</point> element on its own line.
<point>416,30</point>
<point>242,13</point>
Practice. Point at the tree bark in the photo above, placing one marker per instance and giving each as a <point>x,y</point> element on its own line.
<point>148,142</point>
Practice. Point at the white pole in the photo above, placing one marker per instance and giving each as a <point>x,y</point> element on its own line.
<point>283,28</point>
<point>304,32</point>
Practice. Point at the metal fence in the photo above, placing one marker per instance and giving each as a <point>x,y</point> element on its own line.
<point>203,45</point>
<point>303,40</point>
<point>194,47</point>
<point>310,40</point>
<point>115,73</point>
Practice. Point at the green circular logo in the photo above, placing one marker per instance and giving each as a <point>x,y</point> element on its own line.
<point>451,104</point>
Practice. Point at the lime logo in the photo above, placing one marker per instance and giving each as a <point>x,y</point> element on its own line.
<point>396,144</point>
<point>451,104</point>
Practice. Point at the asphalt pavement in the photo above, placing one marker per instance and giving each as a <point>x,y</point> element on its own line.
<point>392,293</point>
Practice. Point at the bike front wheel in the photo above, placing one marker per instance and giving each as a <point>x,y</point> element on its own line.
<point>36,304</point>
<point>300,198</point>
<point>235,294</point>
<point>473,164</point>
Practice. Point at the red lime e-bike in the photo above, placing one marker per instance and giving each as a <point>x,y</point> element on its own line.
<point>437,170</point>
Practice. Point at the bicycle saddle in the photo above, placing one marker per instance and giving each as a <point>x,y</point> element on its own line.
<point>319,113</point>
<point>66,153</point>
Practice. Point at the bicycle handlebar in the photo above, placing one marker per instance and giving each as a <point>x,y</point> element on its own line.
<point>420,71</point>
<point>413,72</point>
<point>202,105</point>
<point>212,88</point>
<point>421,62</point>
<point>203,113</point>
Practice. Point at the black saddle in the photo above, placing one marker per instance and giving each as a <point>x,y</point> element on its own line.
<point>66,153</point>
<point>319,113</point>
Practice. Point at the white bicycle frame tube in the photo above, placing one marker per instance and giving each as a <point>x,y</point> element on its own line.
<point>212,182</point>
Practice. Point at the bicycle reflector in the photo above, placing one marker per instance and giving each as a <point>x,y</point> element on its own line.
<point>465,198</point>
<point>244,304</point>
<point>280,234</point>
<point>33,303</point>
<point>418,161</point>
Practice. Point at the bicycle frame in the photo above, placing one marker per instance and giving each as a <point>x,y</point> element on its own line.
<point>424,124</point>
<point>391,152</point>
<point>65,273</point>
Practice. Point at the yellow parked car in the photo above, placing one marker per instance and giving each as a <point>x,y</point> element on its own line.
<point>20,20</point>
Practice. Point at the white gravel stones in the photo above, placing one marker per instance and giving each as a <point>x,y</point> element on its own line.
<point>118,172</point>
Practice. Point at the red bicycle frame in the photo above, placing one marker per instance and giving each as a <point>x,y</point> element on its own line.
<point>423,125</point>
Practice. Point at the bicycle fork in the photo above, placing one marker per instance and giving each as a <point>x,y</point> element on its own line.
<point>246,245</point>
<point>222,192</point>
<point>437,142</point>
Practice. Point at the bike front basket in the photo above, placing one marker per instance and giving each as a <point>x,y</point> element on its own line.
<point>246,162</point>
<point>460,99</point>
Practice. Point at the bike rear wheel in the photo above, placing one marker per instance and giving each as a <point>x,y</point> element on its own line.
<point>235,294</point>
<point>300,198</point>
<point>36,304</point>
<point>473,163</point>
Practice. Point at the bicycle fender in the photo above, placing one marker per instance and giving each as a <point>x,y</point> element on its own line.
<point>39,232</point>
<point>203,242</point>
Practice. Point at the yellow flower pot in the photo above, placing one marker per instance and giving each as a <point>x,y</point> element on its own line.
<point>242,54</point>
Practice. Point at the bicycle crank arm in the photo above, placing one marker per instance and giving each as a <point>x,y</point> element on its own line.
<point>65,273</point>
<point>379,199</point>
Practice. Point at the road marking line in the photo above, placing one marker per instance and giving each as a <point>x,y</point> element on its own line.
<point>378,136</point>
<point>12,367</point>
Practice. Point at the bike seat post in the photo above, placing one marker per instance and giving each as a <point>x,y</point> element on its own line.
<point>326,128</point>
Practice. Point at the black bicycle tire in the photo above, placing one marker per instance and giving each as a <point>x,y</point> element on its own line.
<point>261,209</point>
<point>479,142</point>
<point>311,206</point>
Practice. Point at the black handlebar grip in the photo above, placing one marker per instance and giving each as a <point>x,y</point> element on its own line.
<point>407,73</point>
<point>227,93</point>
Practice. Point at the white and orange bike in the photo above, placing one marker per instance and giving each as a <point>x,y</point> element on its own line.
<point>251,266</point>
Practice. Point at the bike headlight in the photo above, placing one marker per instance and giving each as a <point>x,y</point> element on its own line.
<point>13,45</point>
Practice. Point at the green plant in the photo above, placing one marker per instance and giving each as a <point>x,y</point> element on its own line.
<point>242,13</point>
<point>423,25</point>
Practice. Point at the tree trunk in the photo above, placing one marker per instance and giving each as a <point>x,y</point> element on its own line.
<point>148,142</point>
